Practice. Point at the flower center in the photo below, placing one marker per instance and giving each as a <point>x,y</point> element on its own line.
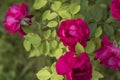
<point>116,43</point>
<point>72,32</point>
<point>26,21</point>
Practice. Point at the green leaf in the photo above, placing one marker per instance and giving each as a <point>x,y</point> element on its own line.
<point>56,5</point>
<point>53,69</point>
<point>54,75</point>
<point>47,34</point>
<point>79,15</point>
<point>27,45</point>
<point>58,52</point>
<point>96,75</point>
<point>26,29</point>
<point>74,8</point>
<point>98,32</point>
<point>47,48</point>
<point>97,13</point>
<point>34,39</point>
<point>34,53</point>
<point>98,43</point>
<point>110,19</point>
<point>52,24</point>
<point>93,27</point>
<point>52,16</point>
<point>90,47</point>
<point>41,49</point>
<point>43,74</point>
<point>61,45</point>
<point>109,30</point>
<point>54,44</point>
<point>39,4</point>
<point>79,48</point>
<point>45,14</point>
<point>64,14</point>
<point>53,33</point>
<point>64,7</point>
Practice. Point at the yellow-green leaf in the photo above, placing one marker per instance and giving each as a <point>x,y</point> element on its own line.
<point>52,16</point>
<point>45,14</point>
<point>27,45</point>
<point>79,48</point>
<point>90,46</point>
<point>52,24</point>
<point>98,32</point>
<point>64,14</point>
<point>43,74</point>
<point>74,8</point>
<point>39,4</point>
<point>56,5</point>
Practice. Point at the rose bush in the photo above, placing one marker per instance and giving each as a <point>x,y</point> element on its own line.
<point>78,24</point>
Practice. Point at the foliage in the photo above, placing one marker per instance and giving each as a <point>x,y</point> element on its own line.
<point>42,47</point>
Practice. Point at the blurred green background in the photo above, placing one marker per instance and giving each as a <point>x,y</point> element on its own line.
<point>14,61</point>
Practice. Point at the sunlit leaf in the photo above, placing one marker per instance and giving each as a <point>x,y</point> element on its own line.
<point>98,32</point>
<point>74,8</point>
<point>39,4</point>
<point>64,14</point>
<point>43,74</point>
<point>79,48</point>
<point>52,16</point>
<point>52,24</point>
<point>56,5</point>
<point>45,14</point>
<point>96,75</point>
<point>90,46</point>
<point>27,45</point>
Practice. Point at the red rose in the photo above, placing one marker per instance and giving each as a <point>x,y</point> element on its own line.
<point>73,31</point>
<point>108,54</point>
<point>16,16</point>
<point>115,8</point>
<point>74,68</point>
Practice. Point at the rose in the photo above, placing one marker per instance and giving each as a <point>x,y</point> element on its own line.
<point>74,68</point>
<point>64,63</point>
<point>108,54</point>
<point>115,8</point>
<point>73,31</point>
<point>16,16</point>
<point>81,68</point>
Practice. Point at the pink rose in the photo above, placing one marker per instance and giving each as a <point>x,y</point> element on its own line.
<point>115,8</point>
<point>108,54</point>
<point>74,68</point>
<point>73,31</point>
<point>16,16</point>
<point>64,63</point>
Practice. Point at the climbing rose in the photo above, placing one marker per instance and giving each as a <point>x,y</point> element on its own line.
<point>74,68</point>
<point>115,8</point>
<point>16,16</point>
<point>108,54</point>
<point>73,31</point>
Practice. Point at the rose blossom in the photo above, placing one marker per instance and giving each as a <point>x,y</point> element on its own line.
<point>108,54</point>
<point>74,68</point>
<point>16,16</point>
<point>115,8</point>
<point>73,31</point>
